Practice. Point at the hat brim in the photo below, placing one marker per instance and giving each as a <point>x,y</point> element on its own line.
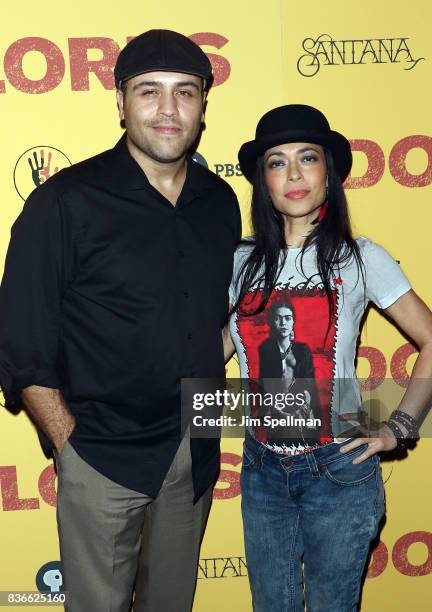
<point>338,145</point>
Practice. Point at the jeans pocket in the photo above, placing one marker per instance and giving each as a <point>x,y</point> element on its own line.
<point>381,501</point>
<point>341,471</point>
<point>249,457</point>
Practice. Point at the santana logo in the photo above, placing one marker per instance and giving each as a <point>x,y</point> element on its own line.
<point>35,166</point>
<point>324,51</point>
<point>222,567</point>
<point>81,52</point>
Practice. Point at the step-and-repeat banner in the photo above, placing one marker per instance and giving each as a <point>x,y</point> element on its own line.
<point>367,65</point>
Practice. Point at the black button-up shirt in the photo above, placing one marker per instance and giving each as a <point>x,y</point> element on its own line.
<point>112,295</point>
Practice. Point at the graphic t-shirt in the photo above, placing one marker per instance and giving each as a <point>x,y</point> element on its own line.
<point>291,347</point>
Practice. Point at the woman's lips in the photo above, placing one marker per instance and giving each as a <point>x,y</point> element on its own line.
<point>297,194</point>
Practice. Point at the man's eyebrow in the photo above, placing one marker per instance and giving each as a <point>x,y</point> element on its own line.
<point>188,84</point>
<point>161,84</point>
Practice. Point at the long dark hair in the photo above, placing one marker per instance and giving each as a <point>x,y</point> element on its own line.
<point>332,236</point>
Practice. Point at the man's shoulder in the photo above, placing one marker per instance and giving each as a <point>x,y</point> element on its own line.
<point>212,180</point>
<point>86,170</point>
<point>65,184</point>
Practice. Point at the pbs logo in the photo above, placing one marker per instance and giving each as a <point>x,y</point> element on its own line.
<point>49,578</point>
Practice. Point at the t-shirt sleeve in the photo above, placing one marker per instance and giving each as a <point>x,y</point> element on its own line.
<point>30,297</point>
<point>232,291</point>
<point>385,281</point>
<point>240,256</point>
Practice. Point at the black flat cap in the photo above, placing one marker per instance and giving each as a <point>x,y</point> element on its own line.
<point>162,50</point>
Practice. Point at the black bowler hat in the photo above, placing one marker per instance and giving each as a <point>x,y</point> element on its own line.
<point>295,123</point>
<point>162,50</point>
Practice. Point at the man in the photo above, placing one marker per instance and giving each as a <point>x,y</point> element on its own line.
<point>115,288</point>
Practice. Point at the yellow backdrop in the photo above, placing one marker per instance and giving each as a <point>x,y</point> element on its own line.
<point>367,66</point>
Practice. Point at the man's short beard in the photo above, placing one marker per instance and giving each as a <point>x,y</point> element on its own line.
<point>164,160</point>
<point>159,155</point>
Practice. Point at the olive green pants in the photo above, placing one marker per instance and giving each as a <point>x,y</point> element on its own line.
<point>123,550</point>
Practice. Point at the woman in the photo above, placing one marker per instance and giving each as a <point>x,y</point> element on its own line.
<point>320,502</point>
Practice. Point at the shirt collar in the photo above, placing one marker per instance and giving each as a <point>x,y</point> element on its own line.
<point>127,175</point>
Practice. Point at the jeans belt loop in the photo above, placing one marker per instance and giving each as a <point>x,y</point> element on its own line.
<point>260,455</point>
<point>312,464</point>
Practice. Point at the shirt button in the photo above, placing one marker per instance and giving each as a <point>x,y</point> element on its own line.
<point>181,253</point>
<point>189,336</point>
<point>186,295</point>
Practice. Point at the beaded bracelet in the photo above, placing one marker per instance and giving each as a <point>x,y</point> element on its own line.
<point>401,441</point>
<point>405,419</point>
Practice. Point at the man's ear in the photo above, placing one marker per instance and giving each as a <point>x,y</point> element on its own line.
<point>120,103</point>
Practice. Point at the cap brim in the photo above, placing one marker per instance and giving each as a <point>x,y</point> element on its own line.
<point>121,80</point>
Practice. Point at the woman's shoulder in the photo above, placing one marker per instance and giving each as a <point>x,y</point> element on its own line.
<point>364,243</point>
<point>245,245</point>
<point>243,250</point>
<point>385,280</point>
<point>370,250</point>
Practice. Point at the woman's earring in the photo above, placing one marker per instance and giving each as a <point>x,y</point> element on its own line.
<point>322,211</point>
<point>291,335</point>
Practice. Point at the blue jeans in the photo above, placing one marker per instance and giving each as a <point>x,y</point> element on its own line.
<point>317,506</point>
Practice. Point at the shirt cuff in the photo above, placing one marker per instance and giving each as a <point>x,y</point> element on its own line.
<point>395,294</point>
<point>12,383</point>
